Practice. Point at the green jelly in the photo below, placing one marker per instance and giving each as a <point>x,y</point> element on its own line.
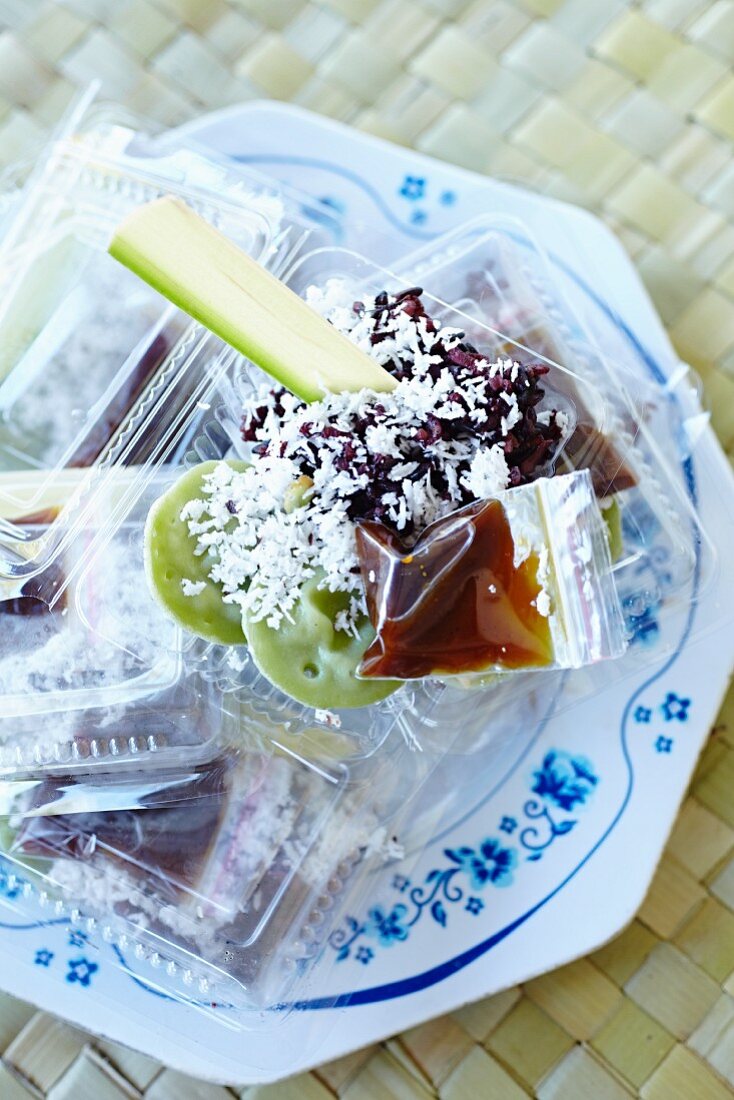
<point>170,559</point>
<point>311,661</point>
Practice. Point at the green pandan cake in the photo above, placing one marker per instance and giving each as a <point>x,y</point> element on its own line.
<point>178,576</point>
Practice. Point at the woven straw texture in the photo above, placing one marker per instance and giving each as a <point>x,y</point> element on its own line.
<point>624,107</point>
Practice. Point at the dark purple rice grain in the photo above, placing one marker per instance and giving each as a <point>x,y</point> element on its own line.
<point>530,444</point>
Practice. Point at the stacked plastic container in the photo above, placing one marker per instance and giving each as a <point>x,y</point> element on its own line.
<point>158,789</point>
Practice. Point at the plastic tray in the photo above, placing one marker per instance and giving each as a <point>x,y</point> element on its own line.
<point>295,807</point>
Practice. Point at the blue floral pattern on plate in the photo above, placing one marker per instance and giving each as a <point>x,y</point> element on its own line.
<point>81,971</point>
<point>565,780</point>
<point>562,781</point>
<point>674,707</point>
<point>412,188</point>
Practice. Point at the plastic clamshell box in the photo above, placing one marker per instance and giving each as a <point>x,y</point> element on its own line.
<point>100,379</point>
<point>225,880</point>
<point>91,669</point>
<point>285,813</point>
<point>446,270</point>
<point>409,708</point>
<point>498,275</point>
<point>228,890</point>
<point>451,267</point>
<point>81,339</point>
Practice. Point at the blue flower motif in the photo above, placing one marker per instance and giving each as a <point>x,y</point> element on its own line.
<point>474,906</point>
<point>491,863</point>
<point>418,217</point>
<point>43,957</point>
<point>77,938</point>
<point>400,882</point>
<point>413,188</point>
<point>564,779</point>
<point>81,970</point>
<point>643,714</point>
<point>675,707</point>
<point>447,198</point>
<point>508,825</point>
<point>664,744</point>
<point>386,927</point>
<point>364,954</point>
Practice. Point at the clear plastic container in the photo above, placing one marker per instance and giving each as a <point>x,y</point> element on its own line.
<point>224,881</point>
<point>118,153</point>
<point>411,707</point>
<point>86,652</point>
<point>229,890</point>
<point>636,431</point>
<point>82,340</point>
<point>289,808</point>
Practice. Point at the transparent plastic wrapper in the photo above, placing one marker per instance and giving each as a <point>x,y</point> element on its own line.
<point>509,584</point>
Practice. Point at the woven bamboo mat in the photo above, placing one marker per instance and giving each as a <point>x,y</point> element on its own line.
<point>627,108</point>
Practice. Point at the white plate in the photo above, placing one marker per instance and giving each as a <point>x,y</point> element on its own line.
<point>557,856</point>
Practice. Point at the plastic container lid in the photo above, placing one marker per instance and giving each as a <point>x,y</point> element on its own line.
<point>284,808</point>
